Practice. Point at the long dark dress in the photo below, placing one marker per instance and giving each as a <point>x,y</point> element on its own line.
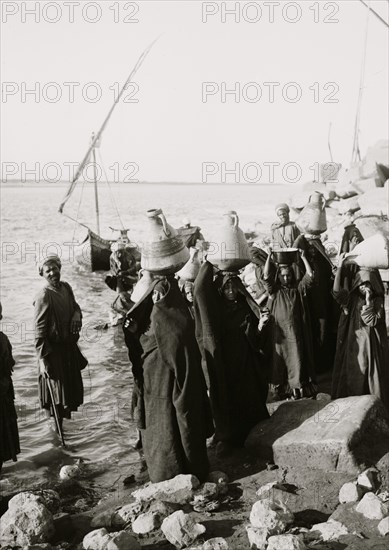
<point>362,353</point>
<point>292,365</point>
<point>54,308</point>
<point>9,436</point>
<point>233,355</point>
<point>171,403</point>
<point>323,310</point>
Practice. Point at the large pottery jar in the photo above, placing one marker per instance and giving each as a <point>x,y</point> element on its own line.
<point>192,267</point>
<point>229,250</point>
<point>163,250</point>
<point>312,218</point>
<point>372,252</point>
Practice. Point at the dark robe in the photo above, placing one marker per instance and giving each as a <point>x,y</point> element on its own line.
<point>54,309</point>
<point>233,356</point>
<point>9,436</point>
<point>323,310</point>
<point>362,352</point>
<point>292,365</point>
<point>170,399</point>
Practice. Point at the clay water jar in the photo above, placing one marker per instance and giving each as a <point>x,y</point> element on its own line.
<point>312,218</point>
<point>163,250</point>
<point>229,249</point>
<point>192,267</point>
<point>143,284</point>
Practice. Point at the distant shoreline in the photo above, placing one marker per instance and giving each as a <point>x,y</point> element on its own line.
<point>32,183</point>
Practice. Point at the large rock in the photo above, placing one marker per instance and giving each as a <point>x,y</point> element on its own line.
<point>286,542</point>
<point>257,537</point>
<point>181,530</point>
<point>372,507</point>
<point>272,515</point>
<point>367,480</point>
<point>338,436</point>
<point>100,539</point>
<point>350,492</point>
<point>217,543</point>
<point>146,523</point>
<point>27,521</point>
<point>178,490</point>
<point>330,530</point>
<point>383,527</point>
<point>374,202</point>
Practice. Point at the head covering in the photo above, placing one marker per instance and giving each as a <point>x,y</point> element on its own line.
<point>367,275</point>
<point>51,258</point>
<point>282,206</point>
<point>350,231</point>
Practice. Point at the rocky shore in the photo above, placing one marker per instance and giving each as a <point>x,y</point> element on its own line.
<point>272,495</point>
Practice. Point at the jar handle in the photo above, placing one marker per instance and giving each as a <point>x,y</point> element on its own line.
<point>164,224</point>
<point>236,219</point>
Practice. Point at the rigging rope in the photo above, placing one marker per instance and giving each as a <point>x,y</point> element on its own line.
<point>110,190</point>
<point>78,211</point>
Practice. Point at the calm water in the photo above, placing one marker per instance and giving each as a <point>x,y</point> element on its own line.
<point>101,432</point>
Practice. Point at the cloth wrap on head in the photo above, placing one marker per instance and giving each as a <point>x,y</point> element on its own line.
<point>53,258</point>
<point>282,206</point>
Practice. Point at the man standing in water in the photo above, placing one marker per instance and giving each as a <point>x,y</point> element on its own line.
<point>58,321</point>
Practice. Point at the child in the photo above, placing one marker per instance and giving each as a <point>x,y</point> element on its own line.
<point>292,366</point>
<point>9,436</point>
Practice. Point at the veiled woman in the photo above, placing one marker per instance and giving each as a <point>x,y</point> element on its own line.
<point>362,352</point>
<point>229,327</point>
<point>170,400</point>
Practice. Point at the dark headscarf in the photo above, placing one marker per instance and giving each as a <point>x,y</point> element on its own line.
<point>372,276</point>
<point>349,232</point>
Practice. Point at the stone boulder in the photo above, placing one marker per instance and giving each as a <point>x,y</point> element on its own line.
<point>146,523</point>
<point>271,515</point>
<point>330,530</point>
<point>217,543</point>
<point>100,539</point>
<point>178,490</point>
<point>367,480</point>
<point>350,492</point>
<point>286,542</point>
<point>374,202</point>
<point>181,530</point>
<point>383,527</point>
<point>372,507</point>
<point>337,436</point>
<point>257,537</point>
<point>27,521</point>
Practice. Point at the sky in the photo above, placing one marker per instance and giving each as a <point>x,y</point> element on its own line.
<point>201,107</point>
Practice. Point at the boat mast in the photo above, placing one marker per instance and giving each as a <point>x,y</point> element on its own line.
<point>97,137</point>
<point>356,154</point>
<point>95,186</point>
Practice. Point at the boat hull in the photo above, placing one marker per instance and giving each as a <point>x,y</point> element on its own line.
<point>95,252</point>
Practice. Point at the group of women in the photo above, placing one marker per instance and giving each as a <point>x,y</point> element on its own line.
<point>204,355</point>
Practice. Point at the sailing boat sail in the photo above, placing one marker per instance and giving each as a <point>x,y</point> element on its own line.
<point>100,248</point>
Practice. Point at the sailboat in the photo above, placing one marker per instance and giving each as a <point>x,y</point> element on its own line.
<point>99,248</point>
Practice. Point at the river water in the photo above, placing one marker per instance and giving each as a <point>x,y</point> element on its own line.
<point>101,432</point>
